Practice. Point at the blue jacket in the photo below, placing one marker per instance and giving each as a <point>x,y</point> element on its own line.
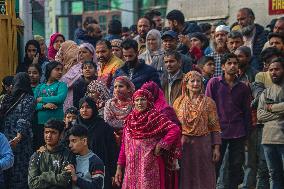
<point>6,156</point>
<point>141,74</point>
<point>259,40</point>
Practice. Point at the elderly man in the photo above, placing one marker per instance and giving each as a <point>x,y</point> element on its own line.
<point>220,47</point>
<point>254,35</point>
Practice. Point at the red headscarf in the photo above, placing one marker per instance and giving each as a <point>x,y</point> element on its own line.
<point>149,123</point>
<point>51,50</point>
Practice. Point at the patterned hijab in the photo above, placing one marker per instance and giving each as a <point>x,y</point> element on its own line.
<point>190,113</point>
<point>67,55</point>
<point>118,108</point>
<point>149,123</point>
<point>98,92</point>
<point>158,95</point>
<point>51,50</point>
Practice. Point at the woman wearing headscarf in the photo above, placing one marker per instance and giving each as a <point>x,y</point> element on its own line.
<point>101,138</point>
<point>67,55</point>
<point>86,53</point>
<point>117,109</point>
<point>116,48</point>
<point>43,48</point>
<point>160,102</point>
<point>153,55</point>
<point>55,42</point>
<point>99,92</point>
<point>149,145</point>
<point>50,97</point>
<point>32,51</point>
<point>17,110</point>
<point>201,134</point>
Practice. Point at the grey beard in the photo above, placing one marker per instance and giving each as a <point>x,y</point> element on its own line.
<point>247,31</point>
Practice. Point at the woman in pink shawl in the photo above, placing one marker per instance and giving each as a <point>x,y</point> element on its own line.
<point>150,140</point>
<point>86,53</point>
<point>160,102</point>
<point>55,42</point>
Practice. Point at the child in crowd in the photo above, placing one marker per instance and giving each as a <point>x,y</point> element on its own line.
<point>89,171</point>
<point>70,117</point>
<point>207,66</point>
<point>47,167</point>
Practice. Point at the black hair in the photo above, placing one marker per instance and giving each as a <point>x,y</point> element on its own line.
<point>36,66</point>
<point>89,20</point>
<point>89,62</point>
<point>244,49</point>
<point>125,29</point>
<point>152,13</point>
<point>278,35</point>
<point>133,28</point>
<point>71,110</point>
<point>205,27</point>
<point>235,35</point>
<point>248,11</point>
<point>33,42</point>
<point>227,56</point>
<point>6,81</point>
<point>106,42</point>
<point>55,124</point>
<point>49,67</point>
<point>114,27</point>
<point>278,59</point>
<point>152,24</point>
<point>176,15</point>
<point>78,131</point>
<point>267,53</point>
<point>129,44</point>
<point>173,53</point>
<point>203,60</point>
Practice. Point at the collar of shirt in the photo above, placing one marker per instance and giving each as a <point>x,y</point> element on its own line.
<point>222,80</point>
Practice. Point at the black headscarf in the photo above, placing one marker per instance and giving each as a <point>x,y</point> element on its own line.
<point>21,86</point>
<point>201,37</point>
<point>95,115</point>
<point>49,67</point>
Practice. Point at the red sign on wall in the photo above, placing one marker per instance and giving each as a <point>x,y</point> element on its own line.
<point>276,7</point>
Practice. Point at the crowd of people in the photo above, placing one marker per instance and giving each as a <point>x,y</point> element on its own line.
<point>189,106</point>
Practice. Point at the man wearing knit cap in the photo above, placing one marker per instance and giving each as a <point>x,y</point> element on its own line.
<point>220,47</point>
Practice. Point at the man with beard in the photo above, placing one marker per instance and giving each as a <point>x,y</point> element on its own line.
<point>276,40</point>
<point>220,47</point>
<point>254,35</point>
<point>108,63</point>
<point>155,16</point>
<point>143,27</point>
<point>270,112</point>
<point>177,23</point>
<point>232,99</point>
<point>246,71</point>
<point>92,34</point>
<point>136,70</point>
<point>234,41</point>
<point>277,28</point>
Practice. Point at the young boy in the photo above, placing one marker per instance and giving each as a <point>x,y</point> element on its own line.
<point>70,117</point>
<point>89,171</point>
<point>47,167</point>
<point>207,66</point>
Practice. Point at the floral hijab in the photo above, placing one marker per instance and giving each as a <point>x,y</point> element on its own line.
<point>118,108</point>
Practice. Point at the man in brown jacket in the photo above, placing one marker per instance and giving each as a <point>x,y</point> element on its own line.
<point>172,78</point>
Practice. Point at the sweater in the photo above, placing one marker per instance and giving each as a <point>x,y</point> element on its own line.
<point>54,93</point>
<point>6,156</point>
<point>273,120</point>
